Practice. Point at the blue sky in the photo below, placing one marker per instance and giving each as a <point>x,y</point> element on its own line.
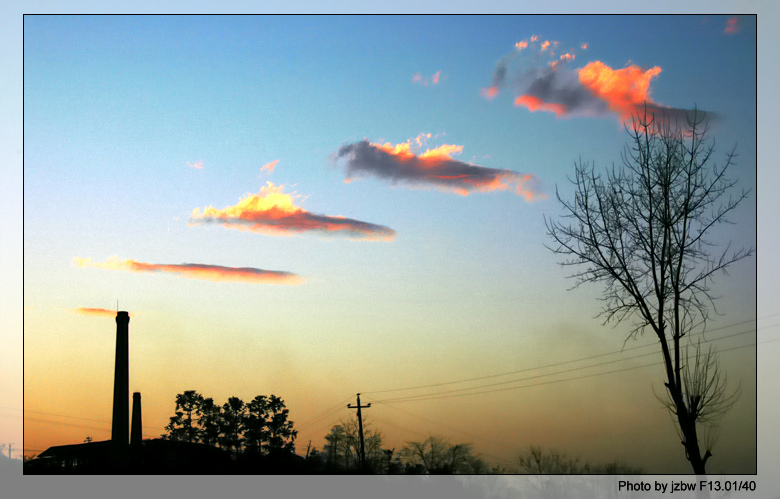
<point>117,109</point>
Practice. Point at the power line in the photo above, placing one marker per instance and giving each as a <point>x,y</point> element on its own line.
<point>325,413</point>
<point>433,385</point>
<point>435,396</point>
<point>107,421</point>
<point>457,390</point>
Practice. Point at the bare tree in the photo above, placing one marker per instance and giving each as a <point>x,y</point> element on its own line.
<point>438,456</point>
<point>644,232</point>
<point>537,461</point>
<point>342,449</point>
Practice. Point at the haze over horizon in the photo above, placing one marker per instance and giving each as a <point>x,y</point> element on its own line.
<point>315,207</point>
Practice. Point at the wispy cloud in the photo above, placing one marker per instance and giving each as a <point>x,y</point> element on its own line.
<point>101,312</point>
<point>732,26</point>
<point>198,165</point>
<point>199,271</point>
<point>273,212</point>
<point>418,78</point>
<point>544,80</point>
<point>269,167</point>
<point>434,168</point>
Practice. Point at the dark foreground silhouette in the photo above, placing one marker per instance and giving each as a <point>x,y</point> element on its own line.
<point>158,456</point>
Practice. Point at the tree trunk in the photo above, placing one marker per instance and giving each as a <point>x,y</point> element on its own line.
<point>688,430</point>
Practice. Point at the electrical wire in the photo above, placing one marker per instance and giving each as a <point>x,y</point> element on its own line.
<point>436,396</point>
<point>433,385</point>
<point>622,359</point>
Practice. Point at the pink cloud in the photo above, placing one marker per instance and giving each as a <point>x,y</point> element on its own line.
<point>196,271</point>
<point>732,26</point>
<point>269,167</point>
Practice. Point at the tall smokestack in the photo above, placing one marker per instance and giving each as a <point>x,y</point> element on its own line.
<point>135,429</point>
<point>119,422</point>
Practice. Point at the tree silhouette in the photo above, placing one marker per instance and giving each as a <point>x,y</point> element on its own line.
<point>438,456</point>
<point>342,449</point>
<point>537,461</point>
<point>259,428</point>
<point>256,425</point>
<point>281,435</point>
<point>232,425</point>
<point>643,232</point>
<point>209,417</point>
<point>182,426</point>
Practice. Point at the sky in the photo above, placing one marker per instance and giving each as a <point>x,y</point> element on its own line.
<point>317,207</point>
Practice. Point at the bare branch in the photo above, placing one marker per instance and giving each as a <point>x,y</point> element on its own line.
<point>642,232</point>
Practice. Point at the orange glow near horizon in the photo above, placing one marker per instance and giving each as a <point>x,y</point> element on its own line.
<point>272,212</point>
<point>214,273</point>
<point>536,104</point>
<point>624,90</point>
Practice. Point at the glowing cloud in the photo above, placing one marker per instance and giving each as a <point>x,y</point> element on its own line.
<point>199,271</point>
<point>269,167</point>
<point>102,312</point>
<point>435,77</point>
<point>198,165</point>
<point>732,26</point>
<point>534,38</point>
<point>537,104</point>
<point>273,212</point>
<point>624,90</point>
<point>433,168</point>
<point>521,45</point>
<point>546,81</point>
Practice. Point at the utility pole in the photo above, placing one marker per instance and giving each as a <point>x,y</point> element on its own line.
<point>360,427</point>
